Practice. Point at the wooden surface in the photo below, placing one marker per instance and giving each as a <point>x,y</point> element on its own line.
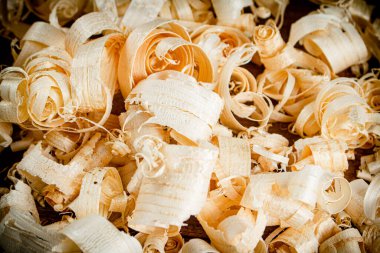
<point>295,10</point>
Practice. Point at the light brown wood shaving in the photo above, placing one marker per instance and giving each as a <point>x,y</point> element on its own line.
<point>39,36</point>
<point>173,113</point>
<point>185,179</point>
<point>329,154</point>
<point>234,158</point>
<point>160,243</point>
<point>198,245</point>
<point>331,27</point>
<point>230,230</point>
<point>308,237</point>
<point>106,191</point>
<point>173,39</point>
<point>5,134</point>
<point>89,235</point>
<point>347,240</point>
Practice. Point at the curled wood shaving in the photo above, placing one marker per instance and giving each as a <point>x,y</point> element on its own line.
<point>229,13</point>
<point>233,187</point>
<point>19,226</point>
<point>149,156</point>
<point>293,205</point>
<point>308,237</point>
<point>293,87</point>
<point>164,45</point>
<point>184,180</point>
<point>329,154</point>
<point>13,88</point>
<point>93,74</point>
<point>63,181</point>
<point>276,8</point>
<point>234,158</point>
<point>369,166</point>
<point>232,230</point>
<point>63,11</point>
<point>35,160</point>
<point>276,55</point>
<point>20,198</point>
<point>60,141</point>
<point>49,70</point>
<point>157,243</point>
<point>198,245</point>
<point>370,84</point>
<point>51,58</point>
<point>330,36</point>
<point>372,38</point>
<point>343,220</point>
<point>95,22</point>
<point>306,125</point>
<point>194,11</point>
<point>39,36</point>
<point>340,111</point>
<point>218,42</point>
<point>80,139</point>
<point>140,12</point>
<point>46,109</point>
<point>132,123</point>
<point>269,42</point>
<point>174,244</point>
<point>182,108</point>
<point>235,106</point>
<point>355,207</point>
<point>270,151</point>
<point>347,240</point>
<point>371,235</point>
<point>5,134</point>
<point>371,200</point>
<point>100,189</point>
<point>95,234</point>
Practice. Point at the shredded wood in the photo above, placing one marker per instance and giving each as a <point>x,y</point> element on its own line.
<point>135,115</point>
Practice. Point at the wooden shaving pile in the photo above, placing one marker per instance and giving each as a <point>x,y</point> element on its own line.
<point>193,136</point>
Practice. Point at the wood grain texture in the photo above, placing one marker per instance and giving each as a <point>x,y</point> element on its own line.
<point>295,10</point>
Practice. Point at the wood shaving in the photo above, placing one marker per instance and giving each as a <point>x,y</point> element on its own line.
<point>306,238</point>
<point>193,172</point>
<point>92,229</point>
<point>320,32</point>
<point>198,245</point>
